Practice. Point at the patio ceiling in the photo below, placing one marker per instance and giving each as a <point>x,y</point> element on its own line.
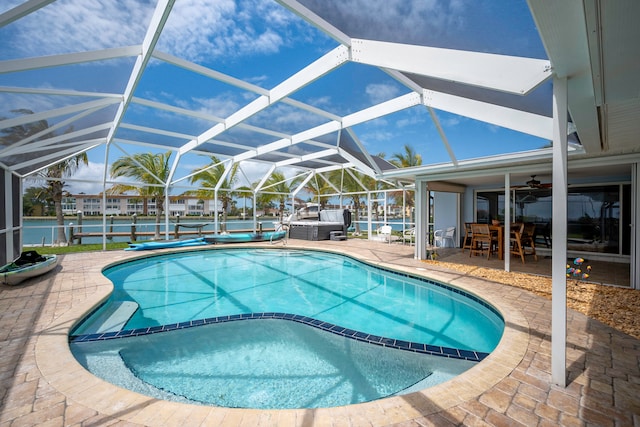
<point>138,91</point>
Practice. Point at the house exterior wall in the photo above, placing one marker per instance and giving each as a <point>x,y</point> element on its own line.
<point>445,213</point>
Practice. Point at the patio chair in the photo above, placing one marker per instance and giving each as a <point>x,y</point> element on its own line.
<point>385,234</point>
<point>528,240</point>
<point>441,237</point>
<point>482,239</point>
<point>468,235</point>
<point>515,240</point>
<point>409,235</point>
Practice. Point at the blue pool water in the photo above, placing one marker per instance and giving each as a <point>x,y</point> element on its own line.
<point>268,360</point>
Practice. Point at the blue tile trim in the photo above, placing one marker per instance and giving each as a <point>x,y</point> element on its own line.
<point>473,356</point>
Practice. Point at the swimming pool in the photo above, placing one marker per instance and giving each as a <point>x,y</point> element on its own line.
<point>297,299</point>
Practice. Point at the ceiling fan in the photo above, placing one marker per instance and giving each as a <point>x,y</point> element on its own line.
<point>533,184</point>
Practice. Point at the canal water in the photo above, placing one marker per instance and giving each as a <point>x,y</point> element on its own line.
<point>39,231</point>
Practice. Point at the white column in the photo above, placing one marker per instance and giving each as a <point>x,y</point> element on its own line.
<point>104,199</point>
<point>255,210</point>
<point>20,211</point>
<point>369,217</point>
<point>9,199</point>
<point>459,223</point>
<point>215,219</point>
<point>507,222</point>
<point>422,219</point>
<point>559,236</point>
<point>634,227</point>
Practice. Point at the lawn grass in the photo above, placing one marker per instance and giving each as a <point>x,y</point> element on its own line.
<point>59,250</point>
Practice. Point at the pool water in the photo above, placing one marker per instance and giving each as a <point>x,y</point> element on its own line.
<point>265,364</point>
<point>276,363</point>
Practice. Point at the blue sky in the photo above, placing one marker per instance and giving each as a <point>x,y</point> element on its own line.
<point>262,43</point>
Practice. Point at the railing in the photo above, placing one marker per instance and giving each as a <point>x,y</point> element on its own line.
<point>77,232</point>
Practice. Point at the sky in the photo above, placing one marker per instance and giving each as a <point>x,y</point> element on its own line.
<point>261,43</point>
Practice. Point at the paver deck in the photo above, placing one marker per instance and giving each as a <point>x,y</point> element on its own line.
<point>42,384</point>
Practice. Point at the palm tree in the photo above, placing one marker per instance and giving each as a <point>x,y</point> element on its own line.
<point>54,189</point>
<point>404,160</point>
<point>34,202</point>
<point>150,169</point>
<point>318,188</point>
<point>209,176</point>
<point>277,183</point>
<point>407,159</point>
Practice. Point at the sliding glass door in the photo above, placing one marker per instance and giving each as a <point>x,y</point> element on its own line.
<point>595,215</point>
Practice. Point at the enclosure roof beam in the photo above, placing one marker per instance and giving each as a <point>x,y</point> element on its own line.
<point>517,75</point>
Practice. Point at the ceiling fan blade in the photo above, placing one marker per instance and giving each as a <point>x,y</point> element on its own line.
<point>533,182</point>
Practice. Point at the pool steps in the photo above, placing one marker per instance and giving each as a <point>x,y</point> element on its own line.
<point>112,318</point>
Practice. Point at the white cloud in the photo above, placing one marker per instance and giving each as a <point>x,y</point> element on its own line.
<point>206,29</point>
<point>196,29</point>
<point>221,106</point>
<point>451,121</point>
<point>35,103</point>
<point>321,102</point>
<point>71,26</point>
<point>412,120</point>
<point>286,118</point>
<point>256,80</point>
<point>87,179</point>
<point>292,118</point>
<point>380,135</point>
<point>380,92</point>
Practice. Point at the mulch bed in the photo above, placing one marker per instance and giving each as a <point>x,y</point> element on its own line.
<point>614,306</point>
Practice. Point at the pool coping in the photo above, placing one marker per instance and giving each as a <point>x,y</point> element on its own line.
<point>63,372</point>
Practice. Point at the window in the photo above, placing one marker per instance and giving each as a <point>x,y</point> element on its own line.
<point>594,219</point>
<point>593,215</point>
